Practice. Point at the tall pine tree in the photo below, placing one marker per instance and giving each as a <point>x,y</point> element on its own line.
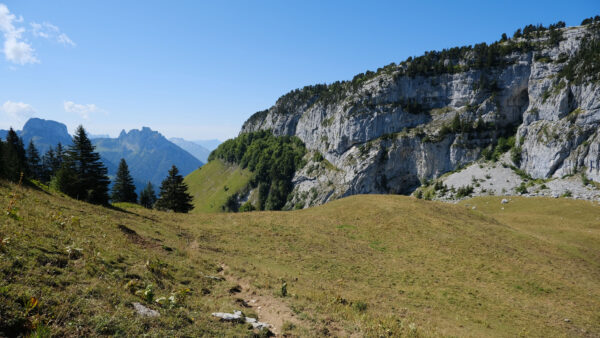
<point>123,190</point>
<point>49,165</point>
<point>148,196</point>
<point>60,155</point>
<point>173,193</point>
<point>15,161</point>
<point>82,175</point>
<point>1,159</point>
<point>34,164</point>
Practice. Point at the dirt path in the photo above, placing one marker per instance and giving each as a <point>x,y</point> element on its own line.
<point>270,310</point>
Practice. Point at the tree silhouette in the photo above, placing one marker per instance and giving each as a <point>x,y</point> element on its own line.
<point>148,196</point>
<point>123,190</point>
<point>173,193</point>
<point>82,175</point>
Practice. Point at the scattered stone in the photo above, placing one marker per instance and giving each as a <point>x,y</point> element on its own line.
<point>238,317</point>
<point>567,320</point>
<point>256,324</point>
<point>144,311</point>
<point>504,201</point>
<point>474,207</point>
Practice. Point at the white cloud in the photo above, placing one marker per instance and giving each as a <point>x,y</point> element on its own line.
<point>47,30</point>
<point>84,110</point>
<point>16,49</point>
<point>15,113</point>
<point>65,40</point>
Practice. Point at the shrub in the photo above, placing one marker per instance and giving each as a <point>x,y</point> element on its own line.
<point>359,306</point>
<point>522,189</point>
<point>464,191</point>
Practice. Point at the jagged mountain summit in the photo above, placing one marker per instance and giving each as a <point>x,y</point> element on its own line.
<point>389,131</point>
<point>148,153</point>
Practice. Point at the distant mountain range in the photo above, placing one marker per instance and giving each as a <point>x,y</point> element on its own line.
<point>208,144</point>
<point>193,148</point>
<point>148,153</point>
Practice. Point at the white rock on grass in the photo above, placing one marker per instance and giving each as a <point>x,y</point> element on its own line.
<point>144,311</point>
<point>238,317</point>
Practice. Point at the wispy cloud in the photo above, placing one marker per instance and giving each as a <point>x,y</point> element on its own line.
<point>49,31</point>
<point>15,113</point>
<point>16,49</point>
<point>83,110</point>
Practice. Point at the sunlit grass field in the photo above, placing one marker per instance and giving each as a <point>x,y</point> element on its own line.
<point>213,183</point>
<point>368,265</point>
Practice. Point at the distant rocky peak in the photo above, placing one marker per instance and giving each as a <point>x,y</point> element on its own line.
<point>47,126</point>
<point>143,133</point>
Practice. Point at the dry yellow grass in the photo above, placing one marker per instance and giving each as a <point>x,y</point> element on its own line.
<point>365,265</point>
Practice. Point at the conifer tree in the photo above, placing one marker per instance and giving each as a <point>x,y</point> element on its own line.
<point>14,159</point>
<point>173,193</point>
<point>82,175</point>
<point>148,196</point>
<point>456,123</point>
<point>34,164</point>
<point>1,159</point>
<point>123,190</point>
<point>49,165</point>
<point>60,155</point>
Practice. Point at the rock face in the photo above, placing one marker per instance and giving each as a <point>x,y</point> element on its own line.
<point>386,132</point>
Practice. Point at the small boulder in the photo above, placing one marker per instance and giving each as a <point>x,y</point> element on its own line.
<point>504,201</point>
<point>144,311</point>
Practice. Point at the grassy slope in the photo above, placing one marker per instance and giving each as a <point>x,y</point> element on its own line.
<point>207,184</point>
<point>366,264</point>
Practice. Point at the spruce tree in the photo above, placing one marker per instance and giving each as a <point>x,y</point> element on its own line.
<point>148,196</point>
<point>60,155</point>
<point>14,159</point>
<point>173,193</point>
<point>82,175</point>
<point>456,123</point>
<point>49,165</point>
<point>34,164</point>
<point>1,159</point>
<point>123,190</point>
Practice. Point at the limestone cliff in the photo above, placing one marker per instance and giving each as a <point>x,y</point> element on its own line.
<point>387,131</point>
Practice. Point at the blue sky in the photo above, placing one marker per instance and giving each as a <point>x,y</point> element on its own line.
<point>198,70</point>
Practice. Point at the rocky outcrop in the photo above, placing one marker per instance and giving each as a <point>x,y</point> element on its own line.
<point>388,131</point>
